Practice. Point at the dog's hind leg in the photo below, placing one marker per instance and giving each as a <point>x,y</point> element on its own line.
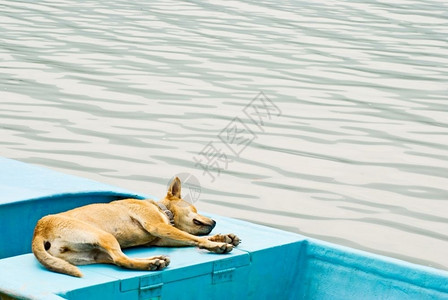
<point>84,244</point>
<point>112,254</point>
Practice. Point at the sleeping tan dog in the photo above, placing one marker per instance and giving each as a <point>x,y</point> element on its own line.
<point>96,233</point>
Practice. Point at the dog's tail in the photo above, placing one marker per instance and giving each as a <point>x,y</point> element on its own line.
<point>40,246</point>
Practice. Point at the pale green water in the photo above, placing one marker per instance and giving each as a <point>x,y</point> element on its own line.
<point>355,151</point>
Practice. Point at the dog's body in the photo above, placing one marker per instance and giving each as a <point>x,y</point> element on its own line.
<point>96,233</point>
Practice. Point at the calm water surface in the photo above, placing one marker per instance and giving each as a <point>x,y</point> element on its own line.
<point>351,147</point>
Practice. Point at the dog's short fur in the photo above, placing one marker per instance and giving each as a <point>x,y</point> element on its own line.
<point>96,233</point>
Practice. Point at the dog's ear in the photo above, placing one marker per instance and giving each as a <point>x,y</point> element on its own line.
<point>175,188</point>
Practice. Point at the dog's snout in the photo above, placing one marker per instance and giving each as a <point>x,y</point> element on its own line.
<point>213,223</point>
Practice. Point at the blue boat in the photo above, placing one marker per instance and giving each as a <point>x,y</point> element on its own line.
<point>269,264</point>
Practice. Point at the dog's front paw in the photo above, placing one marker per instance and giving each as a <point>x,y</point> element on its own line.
<point>215,247</point>
<point>232,239</point>
<point>226,238</point>
<point>221,248</point>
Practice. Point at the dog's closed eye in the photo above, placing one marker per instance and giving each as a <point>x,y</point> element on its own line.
<point>197,222</point>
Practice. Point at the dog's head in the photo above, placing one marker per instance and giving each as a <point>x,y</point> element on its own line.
<point>186,216</point>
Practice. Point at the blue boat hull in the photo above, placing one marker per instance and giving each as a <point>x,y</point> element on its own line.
<point>270,263</point>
